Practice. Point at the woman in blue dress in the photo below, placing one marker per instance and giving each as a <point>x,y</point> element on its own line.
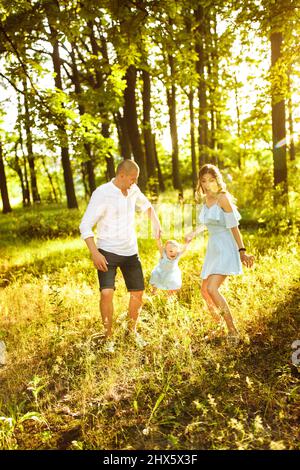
<point>167,275</point>
<point>225,251</point>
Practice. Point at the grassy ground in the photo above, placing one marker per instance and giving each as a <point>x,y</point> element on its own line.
<point>60,390</point>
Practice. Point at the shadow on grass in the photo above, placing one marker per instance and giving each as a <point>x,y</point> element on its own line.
<point>255,379</point>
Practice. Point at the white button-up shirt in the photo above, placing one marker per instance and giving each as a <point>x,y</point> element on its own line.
<point>114,215</point>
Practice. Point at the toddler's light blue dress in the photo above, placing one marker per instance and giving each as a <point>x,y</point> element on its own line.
<point>166,275</point>
<point>222,255</point>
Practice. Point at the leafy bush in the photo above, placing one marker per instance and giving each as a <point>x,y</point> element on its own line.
<point>55,226</point>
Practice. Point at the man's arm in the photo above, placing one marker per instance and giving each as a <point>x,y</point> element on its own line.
<point>99,260</point>
<point>94,211</point>
<point>160,246</point>
<point>155,222</point>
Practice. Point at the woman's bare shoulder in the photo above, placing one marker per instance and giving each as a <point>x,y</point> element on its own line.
<point>225,202</point>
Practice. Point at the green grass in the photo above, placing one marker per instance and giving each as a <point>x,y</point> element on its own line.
<point>60,390</point>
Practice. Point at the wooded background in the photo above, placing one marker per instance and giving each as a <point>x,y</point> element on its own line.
<point>85,84</point>
<point>172,84</point>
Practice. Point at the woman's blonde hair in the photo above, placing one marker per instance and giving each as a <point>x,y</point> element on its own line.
<point>215,173</point>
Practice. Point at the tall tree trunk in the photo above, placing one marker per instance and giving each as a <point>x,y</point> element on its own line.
<point>238,118</point>
<point>215,92</point>
<point>124,140</point>
<point>211,61</point>
<point>84,180</point>
<point>65,158</point>
<point>18,169</point>
<point>131,119</point>
<point>30,155</point>
<point>110,166</point>
<point>193,140</point>
<point>292,150</point>
<point>150,154</point>
<point>171,101</point>
<point>26,195</point>
<point>211,136</point>
<point>200,67</point>
<point>87,146</point>
<point>27,191</point>
<point>278,122</point>
<point>50,179</point>
<point>161,183</point>
<point>3,185</point>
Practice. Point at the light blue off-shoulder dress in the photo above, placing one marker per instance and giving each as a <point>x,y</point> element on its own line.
<point>222,255</point>
<point>166,275</point>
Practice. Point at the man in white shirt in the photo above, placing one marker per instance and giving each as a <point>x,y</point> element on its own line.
<point>112,207</point>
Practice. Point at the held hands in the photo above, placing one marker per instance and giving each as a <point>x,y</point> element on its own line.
<point>247,260</point>
<point>100,261</point>
<point>189,237</point>
<point>157,231</point>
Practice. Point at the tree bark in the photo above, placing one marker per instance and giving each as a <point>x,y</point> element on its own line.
<point>124,141</point>
<point>50,180</point>
<point>3,185</point>
<point>18,169</point>
<point>161,183</point>
<point>171,101</point>
<point>30,155</point>
<point>200,67</point>
<point>215,94</point>
<point>24,182</point>
<point>278,122</point>
<point>292,150</point>
<point>110,166</point>
<point>150,153</point>
<point>238,118</point>
<point>131,119</point>
<point>61,125</point>
<point>193,140</point>
<point>27,191</point>
<point>87,146</point>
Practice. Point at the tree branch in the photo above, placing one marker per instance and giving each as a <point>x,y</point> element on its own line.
<point>12,83</point>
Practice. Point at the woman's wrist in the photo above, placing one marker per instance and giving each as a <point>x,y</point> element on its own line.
<point>242,249</point>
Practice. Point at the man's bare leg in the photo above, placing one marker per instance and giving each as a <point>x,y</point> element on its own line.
<point>106,310</point>
<point>135,306</point>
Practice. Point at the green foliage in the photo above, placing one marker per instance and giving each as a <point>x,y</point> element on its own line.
<point>103,38</point>
<point>35,226</point>
<point>53,223</point>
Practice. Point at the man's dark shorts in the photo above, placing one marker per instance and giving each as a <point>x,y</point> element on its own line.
<point>131,269</point>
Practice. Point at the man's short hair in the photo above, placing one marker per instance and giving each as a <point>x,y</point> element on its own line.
<point>127,166</point>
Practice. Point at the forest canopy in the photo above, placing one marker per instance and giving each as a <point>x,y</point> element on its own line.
<point>173,84</point>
